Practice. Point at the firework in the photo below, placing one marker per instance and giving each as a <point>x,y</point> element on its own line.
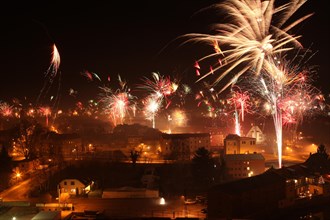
<point>179,117</point>
<point>45,111</point>
<point>159,86</point>
<point>240,101</point>
<point>50,75</point>
<point>152,105</point>
<point>6,110</point>
<point>250,37</point>
<point>117,103</point>
<point>289,95</point>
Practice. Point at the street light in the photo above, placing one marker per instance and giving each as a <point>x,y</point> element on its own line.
<point>17,175</point>
<point>162,201</point>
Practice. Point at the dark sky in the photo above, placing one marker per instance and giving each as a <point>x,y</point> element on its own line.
<point>126,38</point>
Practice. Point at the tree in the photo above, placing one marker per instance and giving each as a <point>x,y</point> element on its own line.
<point>5,168</point>
<point>322,151</point>
<point>134,156</point>
<point>203,167</point>
<point>26,136</point>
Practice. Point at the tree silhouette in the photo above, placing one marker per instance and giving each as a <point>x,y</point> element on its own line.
<point>134,156</point>
<point>203,167</point>
<point>5,168</point>
<point>322,151</point>
<point>27,135</point>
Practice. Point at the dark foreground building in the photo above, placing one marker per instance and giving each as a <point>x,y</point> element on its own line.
<point>275,194</point>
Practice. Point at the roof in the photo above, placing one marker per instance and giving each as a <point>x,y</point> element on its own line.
<point>239,157</point>
<point>249,184</point>
<point>47,215</point>
<point>185,135</point>
<point>318,162</point>
<point>84,182</point>
<point>237,137</point>
<point>294,171</point>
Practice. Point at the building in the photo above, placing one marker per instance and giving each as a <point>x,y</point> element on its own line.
<point>73,187</point>
<point>235,144</point>
<point>275,193</point>
<point>130,192</point>
<point>256,132</point>
<point>65,146</point>
<point>244,165</point>
<point>183,146</point>
<point>244,197</point>
<point>48,215</point>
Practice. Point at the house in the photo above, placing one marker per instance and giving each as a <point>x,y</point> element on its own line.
<point>244,165</point>
<point>73,187</point>
<point>235,144</point>
<point>256,132</point>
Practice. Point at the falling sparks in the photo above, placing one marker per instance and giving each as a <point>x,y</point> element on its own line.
<point>118,103</point>
<point>250,37</point>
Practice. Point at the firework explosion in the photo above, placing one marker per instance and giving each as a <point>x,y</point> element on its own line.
<point>288,95</point>
<point>250,42</point>
<point>116,104</point>
<point>250,37</point>
<point>240,101</point>
<point>6,110</point>
<point>152,104</point>
<point>160,87</point>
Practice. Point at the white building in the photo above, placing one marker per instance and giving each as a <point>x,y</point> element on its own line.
<point>255,132</point>
<point>73,187</point>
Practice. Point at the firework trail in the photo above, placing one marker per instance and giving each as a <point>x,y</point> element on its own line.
<point>255,32</point>
<point>90,76</point>
<point>51,75</point>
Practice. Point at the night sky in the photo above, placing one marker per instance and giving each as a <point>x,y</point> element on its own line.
<point>132,39</point>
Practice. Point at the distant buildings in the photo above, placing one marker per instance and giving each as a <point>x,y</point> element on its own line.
<point>183,146</point>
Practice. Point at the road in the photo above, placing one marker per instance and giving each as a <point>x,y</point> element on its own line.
<point>139,207</point>
<point>17,192</point>
<point>21,189</point>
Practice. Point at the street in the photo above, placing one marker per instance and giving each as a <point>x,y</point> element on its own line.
<point>139,207</point>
